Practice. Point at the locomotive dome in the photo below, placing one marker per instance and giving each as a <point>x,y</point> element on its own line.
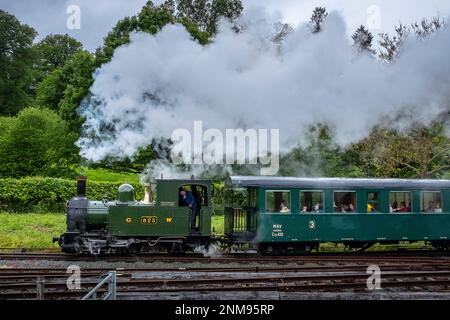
<point>126,193</point>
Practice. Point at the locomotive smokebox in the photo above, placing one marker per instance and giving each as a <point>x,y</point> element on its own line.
<point>77,211</point>
<point>81,186</point>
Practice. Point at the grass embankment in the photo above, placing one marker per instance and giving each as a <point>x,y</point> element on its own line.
<point>36,230</point>
<point>104,175</point>
<point>30,230</point>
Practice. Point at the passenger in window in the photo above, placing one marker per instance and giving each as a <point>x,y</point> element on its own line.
<point>351,208</point>
<point>403,207</point>
<point>438,208</point>
<point>317,207</point>
<point>283,207</point>
<point>304,209</point>
<point>347,208</point>
<point>371,207</point>
<point>431,207</point>
<point>394,207</point>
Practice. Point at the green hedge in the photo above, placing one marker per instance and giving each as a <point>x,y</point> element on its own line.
<point>44,194</point>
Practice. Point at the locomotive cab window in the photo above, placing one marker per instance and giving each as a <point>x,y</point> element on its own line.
<point>311,201</point>
<point>399,201</point>
<point>278,201</point>
<point>198,192</point>
<point>431,201</point>
<point>344,201</point>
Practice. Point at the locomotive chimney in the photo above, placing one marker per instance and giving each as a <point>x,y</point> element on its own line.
<point>81,186</point>
<point>148,195</point>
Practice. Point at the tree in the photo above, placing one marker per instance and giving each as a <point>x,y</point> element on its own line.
<point>200,17</point>
<point>55,50</point>
<point>390,46</point>
<point>425,28</point>
<point>37,143</point>
<point>282,30</point>
<point>65,88</point>
<point>207,13</point>
<point>317,18</point>
<point>421,152</point>
<point>362,40</point>
<point>118,36</point>
<point>16,58</point>
<point>320,157</point>
<point>136,163</point>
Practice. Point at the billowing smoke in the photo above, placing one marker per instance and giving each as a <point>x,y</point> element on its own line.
<point>159,83</point>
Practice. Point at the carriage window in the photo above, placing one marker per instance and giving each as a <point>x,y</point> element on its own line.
<point>430,201</point>
<point>345,201</point>
<point>372,201</point>
<point>311,201</point>
<point>399,201</point>
<point>278,201</point>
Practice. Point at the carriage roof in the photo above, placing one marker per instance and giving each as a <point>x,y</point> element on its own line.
<point>334,183</point>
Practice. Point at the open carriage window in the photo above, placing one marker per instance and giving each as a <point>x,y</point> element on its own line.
<point>198,192</point>
<point>278,201</point>
<point>311,201</point>
<point>344,201</point>
<point>431,201</point>
<point>373,201</point>
<point>400,201</point>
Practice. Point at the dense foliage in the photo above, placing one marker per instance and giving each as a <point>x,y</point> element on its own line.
<point>37,142</point>
<point>16,63</point>
<point>51,193</point>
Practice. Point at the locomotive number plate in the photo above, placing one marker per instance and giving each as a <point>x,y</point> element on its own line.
<point>149,220</point>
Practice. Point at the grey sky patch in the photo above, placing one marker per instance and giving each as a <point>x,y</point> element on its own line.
<point>98,17</point>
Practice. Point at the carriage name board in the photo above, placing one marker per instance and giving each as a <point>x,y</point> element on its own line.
<point>277,230</point>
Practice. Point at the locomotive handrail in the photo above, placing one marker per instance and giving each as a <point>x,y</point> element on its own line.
<point>111,279</point>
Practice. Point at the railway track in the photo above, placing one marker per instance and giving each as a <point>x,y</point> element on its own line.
<point>19,283</point>
<point>318,258</point>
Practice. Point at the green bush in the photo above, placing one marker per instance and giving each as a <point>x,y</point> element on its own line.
<point>44,194</point>
<point>37,142</point>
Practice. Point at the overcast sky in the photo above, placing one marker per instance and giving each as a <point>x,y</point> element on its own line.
<point>99,16</point>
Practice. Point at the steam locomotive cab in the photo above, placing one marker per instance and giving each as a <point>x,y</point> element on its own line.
<point>127,225</point>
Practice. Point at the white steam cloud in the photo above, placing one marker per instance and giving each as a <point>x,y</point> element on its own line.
<point>159,83</point>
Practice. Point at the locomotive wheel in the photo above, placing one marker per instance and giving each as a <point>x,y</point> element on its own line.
<point>135,249</point>
<point>176,248</point>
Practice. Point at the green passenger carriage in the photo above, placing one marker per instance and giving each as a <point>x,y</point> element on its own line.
<point>356,212</point>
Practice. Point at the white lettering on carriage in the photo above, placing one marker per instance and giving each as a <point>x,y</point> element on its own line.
<point>277,230</point>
